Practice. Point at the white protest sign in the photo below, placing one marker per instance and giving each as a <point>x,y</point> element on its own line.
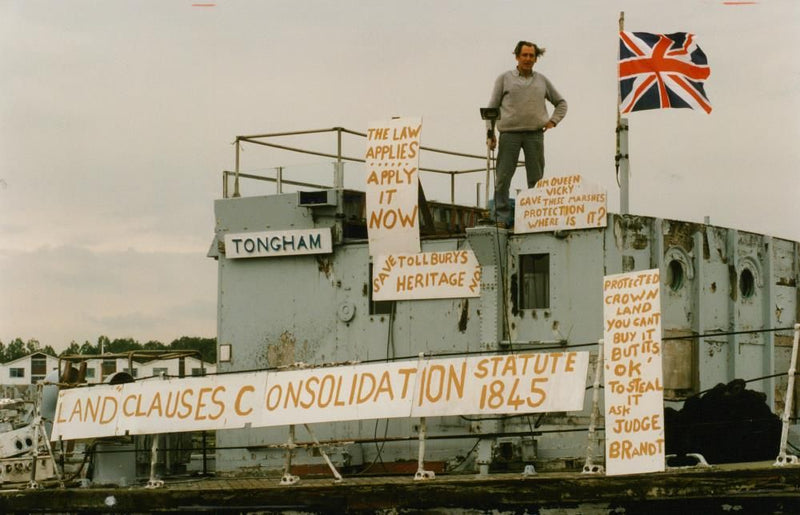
<point>392,186</point>
<point>512,383</point>
<point>428,275</point>
<point>634,395</point>
<point>560,203</point>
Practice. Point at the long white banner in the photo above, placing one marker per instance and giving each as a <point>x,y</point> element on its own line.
<point>510,383</point>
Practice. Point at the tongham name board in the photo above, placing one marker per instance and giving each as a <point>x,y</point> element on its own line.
<point>560,204</point>
<point>278,243</point>
<point>392,186</point>
<point>503,384</point>
<point>634,395</point>
<point>427,275</point>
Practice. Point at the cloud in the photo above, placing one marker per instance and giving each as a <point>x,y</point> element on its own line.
<point>60,294</point>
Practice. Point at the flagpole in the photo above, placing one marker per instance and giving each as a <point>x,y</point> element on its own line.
<point>621,158</point>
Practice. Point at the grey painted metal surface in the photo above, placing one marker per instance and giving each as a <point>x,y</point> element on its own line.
<point>317,309</point>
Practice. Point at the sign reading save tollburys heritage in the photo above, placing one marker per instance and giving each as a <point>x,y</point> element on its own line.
<point>427,275</point>
<point>512,383</point>
<point>634,395</point>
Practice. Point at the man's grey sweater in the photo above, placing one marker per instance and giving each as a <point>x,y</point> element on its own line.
<point>522,102</point>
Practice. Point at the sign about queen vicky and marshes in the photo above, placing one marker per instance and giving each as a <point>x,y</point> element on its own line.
<point>560,203</point>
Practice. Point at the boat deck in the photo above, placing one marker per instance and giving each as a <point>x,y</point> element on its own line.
<point>738,488</point>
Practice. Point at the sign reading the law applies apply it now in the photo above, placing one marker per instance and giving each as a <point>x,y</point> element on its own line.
<point>392,186</point>
<point>512,383</point>
<point>634,395</point>
<point>560,204</point>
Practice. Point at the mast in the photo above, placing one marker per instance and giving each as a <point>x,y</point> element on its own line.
<point>621,158</point>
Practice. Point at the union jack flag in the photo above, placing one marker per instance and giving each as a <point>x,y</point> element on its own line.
<point>659,71</point>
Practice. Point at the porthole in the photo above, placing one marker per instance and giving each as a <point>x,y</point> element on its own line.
<point>747,283</point>
<point>678,270</point>
<point>675,275</point>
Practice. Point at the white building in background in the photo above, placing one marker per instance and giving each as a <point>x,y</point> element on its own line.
<point>34,367</point>
<point>97,369</point>
<point>27,369</point>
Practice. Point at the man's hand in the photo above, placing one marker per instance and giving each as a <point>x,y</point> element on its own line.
<point>548,126</point>
<point>491,143</point>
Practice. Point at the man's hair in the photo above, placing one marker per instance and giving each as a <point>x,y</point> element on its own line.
<point>536,48</point>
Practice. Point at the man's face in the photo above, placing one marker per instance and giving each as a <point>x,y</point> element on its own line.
<point>526,59</point>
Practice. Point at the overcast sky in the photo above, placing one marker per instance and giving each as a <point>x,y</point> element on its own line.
<point>117,117</point>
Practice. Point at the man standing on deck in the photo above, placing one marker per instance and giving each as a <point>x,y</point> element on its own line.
<point>520,94</point>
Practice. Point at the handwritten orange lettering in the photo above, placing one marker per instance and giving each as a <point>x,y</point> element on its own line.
<point>200,404</point>
<point>186,404</point>
<point>108,416</point>
<point>237,405</point>
<point>217,402</point>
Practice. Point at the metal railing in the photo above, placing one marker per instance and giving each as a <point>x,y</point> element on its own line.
<point>338,156</point>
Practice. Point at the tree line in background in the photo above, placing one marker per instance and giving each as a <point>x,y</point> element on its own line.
<point>17,348</point>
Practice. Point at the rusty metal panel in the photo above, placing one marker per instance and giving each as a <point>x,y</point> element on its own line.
<point>316,310</point>
<point>784,279</point>
<point>576,270</point>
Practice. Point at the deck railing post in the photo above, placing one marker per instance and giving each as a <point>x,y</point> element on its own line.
<point>288,478</point>
<point>421,473</point>
<point>336,476</point>
<point>236,193</point>
<point>783,458</point>
<point>589,467</point>
<point>339,174</point>
<point>153,482</point>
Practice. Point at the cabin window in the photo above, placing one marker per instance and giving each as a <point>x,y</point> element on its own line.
<point>16,372</point>
<point>747,283</point>
<point>675,275</point>
<point>197,372</point>
<point>377,307</point>
<point>109,367</point>
<point>157,371</point>
<point>38,366</point>
<point>90,373</point>
<point>225,353</point>
<point>132,373</point>
<point>534,292</point>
